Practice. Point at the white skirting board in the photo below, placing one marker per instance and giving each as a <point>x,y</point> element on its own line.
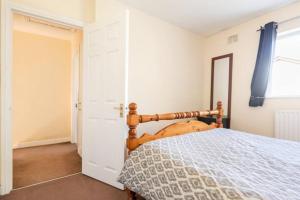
<point>41,143</point>
<point>2,192</point>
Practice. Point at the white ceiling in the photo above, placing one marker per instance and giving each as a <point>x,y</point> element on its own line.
<point>206,16</point>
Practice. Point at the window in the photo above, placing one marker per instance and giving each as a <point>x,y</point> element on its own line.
<point>284,78</point>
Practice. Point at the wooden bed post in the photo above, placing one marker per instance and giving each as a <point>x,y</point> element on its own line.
<point>132,122</point>
<point>220,114</point>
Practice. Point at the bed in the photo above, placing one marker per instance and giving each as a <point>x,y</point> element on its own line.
<point>209,163</point>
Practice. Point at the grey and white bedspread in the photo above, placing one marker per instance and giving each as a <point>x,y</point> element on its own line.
<point>219,164</point>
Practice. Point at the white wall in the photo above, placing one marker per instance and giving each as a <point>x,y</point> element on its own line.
<point>164,63</point>
<point>76,9</point>
<point>256,120</point>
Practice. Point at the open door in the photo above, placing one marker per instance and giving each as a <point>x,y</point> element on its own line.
<point>104,97</point>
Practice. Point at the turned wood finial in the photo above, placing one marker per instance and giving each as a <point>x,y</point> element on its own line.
<point>220,114</point>
<point>132,109</point>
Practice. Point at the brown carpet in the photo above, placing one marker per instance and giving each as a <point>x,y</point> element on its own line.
<point>77,187</point>
<point>37,164</point>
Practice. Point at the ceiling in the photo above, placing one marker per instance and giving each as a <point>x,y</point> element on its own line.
<point>207,16</point>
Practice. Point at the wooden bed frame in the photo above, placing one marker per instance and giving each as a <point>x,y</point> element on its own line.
<point>179,128</point>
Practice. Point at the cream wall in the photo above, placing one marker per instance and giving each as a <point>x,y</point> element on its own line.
<point>165,67</point>
<point>77,9</point>
<point>255,120</point>
<point>41,88</point>
<point>165,63</point>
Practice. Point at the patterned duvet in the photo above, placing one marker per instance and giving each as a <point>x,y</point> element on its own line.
<point>219,164</point>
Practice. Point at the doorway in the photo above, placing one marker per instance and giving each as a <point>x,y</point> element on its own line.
<point>46,100</point>
<point>104,95</point>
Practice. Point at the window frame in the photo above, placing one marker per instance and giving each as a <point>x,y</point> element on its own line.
<point>269,95</point>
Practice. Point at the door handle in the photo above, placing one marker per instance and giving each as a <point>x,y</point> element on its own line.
<point>121,110</point>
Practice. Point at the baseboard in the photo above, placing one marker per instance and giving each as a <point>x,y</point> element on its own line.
<point>41,142</point>
<point>2,192</point>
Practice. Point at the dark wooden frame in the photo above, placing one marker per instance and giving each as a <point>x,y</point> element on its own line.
<point>230,56</point>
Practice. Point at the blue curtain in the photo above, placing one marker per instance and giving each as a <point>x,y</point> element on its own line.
<point>263,64</point>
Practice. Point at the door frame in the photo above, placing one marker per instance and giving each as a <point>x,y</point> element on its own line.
<point>75,93</point>
<point>9,9</point>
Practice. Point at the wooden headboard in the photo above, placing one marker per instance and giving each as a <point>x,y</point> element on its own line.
<point>179,128</point>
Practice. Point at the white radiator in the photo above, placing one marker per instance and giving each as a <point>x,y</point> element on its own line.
<point>287,125</point>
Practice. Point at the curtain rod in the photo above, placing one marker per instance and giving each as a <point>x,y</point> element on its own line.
<point>283,21</point>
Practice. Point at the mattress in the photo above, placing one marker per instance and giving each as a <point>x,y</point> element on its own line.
<point>218,164</point>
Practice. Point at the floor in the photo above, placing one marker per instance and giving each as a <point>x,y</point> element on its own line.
<point>76,187</point>
<point>38,164</point>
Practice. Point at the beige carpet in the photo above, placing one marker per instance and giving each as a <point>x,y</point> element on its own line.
<point>38,164</point>
<point>77,187</point>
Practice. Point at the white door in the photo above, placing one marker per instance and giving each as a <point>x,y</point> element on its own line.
<point>104,95</point>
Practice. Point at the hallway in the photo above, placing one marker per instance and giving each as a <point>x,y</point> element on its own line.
<point>43,163</point>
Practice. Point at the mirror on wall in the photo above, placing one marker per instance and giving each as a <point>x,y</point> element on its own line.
<point>221,83</point>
